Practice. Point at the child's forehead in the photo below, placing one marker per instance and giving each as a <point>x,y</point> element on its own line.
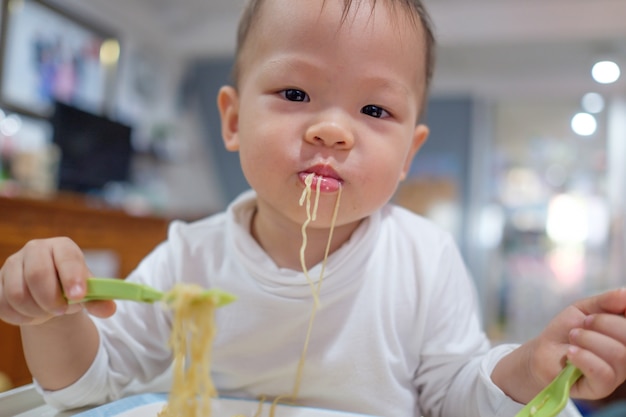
<point>344,10</point>
<point>336,16</point>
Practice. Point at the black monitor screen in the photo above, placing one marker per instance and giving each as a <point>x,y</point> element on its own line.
<point>94,150</point>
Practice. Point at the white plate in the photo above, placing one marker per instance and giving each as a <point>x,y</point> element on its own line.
<point>150,405</point>
<point>149,410</point>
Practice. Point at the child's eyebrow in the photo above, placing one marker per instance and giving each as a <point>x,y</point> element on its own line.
<point>387,84</point>
<point>291,63</point>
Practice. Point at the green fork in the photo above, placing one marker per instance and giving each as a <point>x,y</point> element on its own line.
<point>550,401</point>
<point>119,289</point>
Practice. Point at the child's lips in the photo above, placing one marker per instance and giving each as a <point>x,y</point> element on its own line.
<point>327,178</point>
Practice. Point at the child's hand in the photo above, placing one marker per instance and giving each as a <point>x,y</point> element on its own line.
<point>597,338</point>
<point>590,333</point>
<point>35,281</point>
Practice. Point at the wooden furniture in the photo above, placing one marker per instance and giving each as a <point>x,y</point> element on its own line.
<point>91,224</point>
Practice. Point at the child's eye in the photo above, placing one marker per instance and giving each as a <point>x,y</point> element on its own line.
<point>293,94</point>
<point>374,111</point>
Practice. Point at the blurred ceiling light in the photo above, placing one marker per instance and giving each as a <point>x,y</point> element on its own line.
<point>584,124</point>
<point>605,72</point>
<point>109,52</point>
<point>592,103</point>
<point>567,220</point>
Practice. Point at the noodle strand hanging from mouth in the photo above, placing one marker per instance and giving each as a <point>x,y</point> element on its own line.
<point>311,216</point>
<point>315,290</point>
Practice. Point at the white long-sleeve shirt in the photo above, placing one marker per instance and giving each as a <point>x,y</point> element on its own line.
<point>397,333</point>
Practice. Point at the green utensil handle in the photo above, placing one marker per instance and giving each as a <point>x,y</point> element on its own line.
<point>553,398</point>
<point>119,289</point>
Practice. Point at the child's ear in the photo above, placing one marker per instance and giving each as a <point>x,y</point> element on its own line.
<point>420,134</point>
<point>228,105</point>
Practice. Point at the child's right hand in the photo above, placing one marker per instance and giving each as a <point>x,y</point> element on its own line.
<point>35,281</point>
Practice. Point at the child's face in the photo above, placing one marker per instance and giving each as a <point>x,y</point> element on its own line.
<point>339,99</point>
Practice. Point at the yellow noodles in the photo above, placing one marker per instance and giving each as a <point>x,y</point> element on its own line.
<point>193,331</point>
<point>316,290</point>
<point>306,196</point>
<point>310,217</point>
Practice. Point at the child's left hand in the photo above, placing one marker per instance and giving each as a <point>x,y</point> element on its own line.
<point>591,334</point>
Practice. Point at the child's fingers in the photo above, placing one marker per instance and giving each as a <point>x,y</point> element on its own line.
<point>32,279</point>
<point>71,268</point>
<point>599,377</point>
<point>611,325</point>
<point>609,350</point>
<point>102,309</point>
<point>599,351</point>
<point>40,279</point>
<point>613,302</point>
<point>605,335</point>
<point>7,312</point>
<point>17,299</point>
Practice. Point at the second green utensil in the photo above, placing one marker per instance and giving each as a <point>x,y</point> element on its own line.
<point>553,398</point>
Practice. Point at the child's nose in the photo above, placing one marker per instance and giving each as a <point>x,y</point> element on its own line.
<point>333,132</point>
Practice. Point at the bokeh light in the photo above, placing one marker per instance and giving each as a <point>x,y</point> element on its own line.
<point>584,124</point>
<point>605,72</point>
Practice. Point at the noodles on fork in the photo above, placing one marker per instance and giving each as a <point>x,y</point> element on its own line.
<point>191,340</point>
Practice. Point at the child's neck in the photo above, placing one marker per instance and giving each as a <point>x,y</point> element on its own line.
<point>282,240</point>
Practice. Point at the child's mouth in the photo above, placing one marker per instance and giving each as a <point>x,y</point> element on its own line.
<point>324,177</point>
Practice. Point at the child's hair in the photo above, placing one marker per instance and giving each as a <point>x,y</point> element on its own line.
<point>415,8</point>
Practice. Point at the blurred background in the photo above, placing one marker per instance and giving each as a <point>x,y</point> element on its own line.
<point>115,99</point>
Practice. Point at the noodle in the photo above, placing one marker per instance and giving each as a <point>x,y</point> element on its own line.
<point>311,216</point>
<point>192,335</point>
<point>316,291</point>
